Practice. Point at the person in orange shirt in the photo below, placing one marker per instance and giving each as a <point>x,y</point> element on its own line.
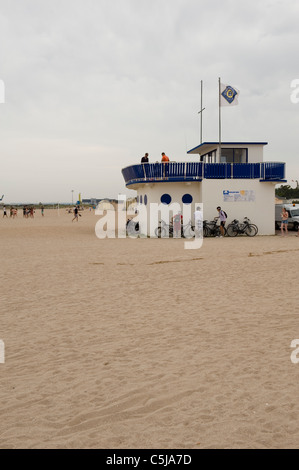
<point>165,160</point>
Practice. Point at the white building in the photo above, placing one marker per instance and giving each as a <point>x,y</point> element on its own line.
<point>240,182</point>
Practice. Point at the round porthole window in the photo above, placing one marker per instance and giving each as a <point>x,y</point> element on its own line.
<point>187,199</point>
<point>165,199</point>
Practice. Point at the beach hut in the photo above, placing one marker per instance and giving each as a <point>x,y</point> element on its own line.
<point>233,176</point>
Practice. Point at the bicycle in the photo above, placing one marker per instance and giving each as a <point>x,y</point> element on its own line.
<point>236,228</point>
<point>132,227</point>
<point>211,229</point>
<point>187,230</point>
<point>163,229</point>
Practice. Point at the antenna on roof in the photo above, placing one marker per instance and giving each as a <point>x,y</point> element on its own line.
<point>200,112</point>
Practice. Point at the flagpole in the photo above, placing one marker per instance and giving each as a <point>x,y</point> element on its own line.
<point>219,120</point>
<point>201,111</point>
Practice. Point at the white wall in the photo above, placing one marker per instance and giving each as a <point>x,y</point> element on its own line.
<point>176,190</point>
<point>260,211</point>
<point>255,153</point>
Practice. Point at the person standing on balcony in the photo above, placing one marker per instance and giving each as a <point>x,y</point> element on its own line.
<point>222,218</point>
<point>165,161</point>
<point>145,158</point>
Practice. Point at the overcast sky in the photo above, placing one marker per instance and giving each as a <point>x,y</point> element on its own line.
<point>91,85</point>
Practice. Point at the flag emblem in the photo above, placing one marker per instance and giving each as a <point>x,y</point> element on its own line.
<point>229,94</point>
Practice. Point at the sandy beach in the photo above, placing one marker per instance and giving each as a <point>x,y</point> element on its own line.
<point>130,344</point>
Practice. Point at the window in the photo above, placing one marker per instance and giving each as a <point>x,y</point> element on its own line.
<point>165,199</point>
<point>187,199</point>
<point>145,199</point>
<point>209,157</point>
<point>227,156</point>
<point>240,156</point>
<point>233,155</point>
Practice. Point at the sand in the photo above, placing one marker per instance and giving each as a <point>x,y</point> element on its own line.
<point>130,344</point>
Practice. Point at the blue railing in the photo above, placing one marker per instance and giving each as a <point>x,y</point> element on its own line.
<point>217,170</point>
<point>196,171</point>
<point>272,171</point>
<point>247,170</point>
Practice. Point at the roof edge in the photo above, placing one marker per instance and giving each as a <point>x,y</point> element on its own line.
<point>226,143</point>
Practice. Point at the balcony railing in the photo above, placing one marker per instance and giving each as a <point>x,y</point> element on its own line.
<point>196,171</point>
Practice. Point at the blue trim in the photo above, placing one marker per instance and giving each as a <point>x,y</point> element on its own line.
<point>169,180</point>
<point>226,143</point>
<point>273,181</point>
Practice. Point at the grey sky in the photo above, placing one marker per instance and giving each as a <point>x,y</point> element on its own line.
<point>91,85</point>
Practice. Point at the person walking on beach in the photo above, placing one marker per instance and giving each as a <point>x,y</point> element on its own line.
<point>145,158</point>
<point>4,212</point>
<point>284,222</point>
<point>198,220</point>
<point>42,211</point>
<point>75,214</point>
<point>222,218</point>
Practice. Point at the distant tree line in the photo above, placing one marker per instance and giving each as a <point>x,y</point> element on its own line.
<point>286,191</point>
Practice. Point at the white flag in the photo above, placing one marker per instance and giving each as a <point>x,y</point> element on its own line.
<point>228,95</point>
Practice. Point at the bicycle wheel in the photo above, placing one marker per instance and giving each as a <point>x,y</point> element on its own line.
<point>206,232</point>
<point>232,230</point>
<point>250,230</point>
<point>131,228</point>
<point>188,232</point>
<point>158,231</point>
<point>253,225</point>
<point>217,232</point>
